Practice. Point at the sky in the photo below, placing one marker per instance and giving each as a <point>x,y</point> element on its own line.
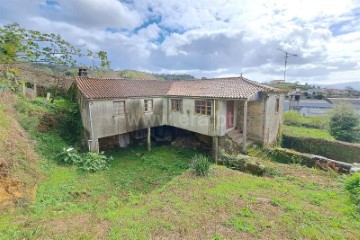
<point>216,38</point>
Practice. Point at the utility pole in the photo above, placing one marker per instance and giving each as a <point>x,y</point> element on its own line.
<point>287,54</point>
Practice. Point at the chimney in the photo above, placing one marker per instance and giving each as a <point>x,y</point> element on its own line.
<point>82,72</point>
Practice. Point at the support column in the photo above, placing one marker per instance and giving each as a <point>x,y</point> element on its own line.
<point>215,149</point>
<point>149,139</point>
<point>245,125</point>
<point>94,145</point>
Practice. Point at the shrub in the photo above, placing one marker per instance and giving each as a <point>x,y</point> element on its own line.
<point>89,162</point>
<point>344,123</point>
<point>92,162</point>
<point>353,186</point>
<point>272,172</point>
<point>69,156</point>
<point>200,164</point>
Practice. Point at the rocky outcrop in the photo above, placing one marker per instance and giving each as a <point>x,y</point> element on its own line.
<point>231,142</point>
<point>243,163</point>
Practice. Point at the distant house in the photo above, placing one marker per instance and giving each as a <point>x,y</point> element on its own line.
<point>277,81</point>
<point>223,109</point>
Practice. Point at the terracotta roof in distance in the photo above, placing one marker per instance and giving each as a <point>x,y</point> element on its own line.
<point>233,87</point>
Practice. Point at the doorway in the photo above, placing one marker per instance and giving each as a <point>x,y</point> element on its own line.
<point>229,114</point>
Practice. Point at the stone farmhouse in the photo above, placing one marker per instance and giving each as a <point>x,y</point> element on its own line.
<point>228,112</point>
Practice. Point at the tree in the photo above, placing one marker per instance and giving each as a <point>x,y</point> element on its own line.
<point>20,47</point>
<point>345,123</point>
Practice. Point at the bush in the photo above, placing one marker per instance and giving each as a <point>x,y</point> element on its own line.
<point>69,156</point>
<point>200,164</point>
<point>92,162</point>
<point>89,162</point>
<point>353,186</point>
<point>344,123</point>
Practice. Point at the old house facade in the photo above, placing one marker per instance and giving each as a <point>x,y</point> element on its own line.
<point>226,109</point>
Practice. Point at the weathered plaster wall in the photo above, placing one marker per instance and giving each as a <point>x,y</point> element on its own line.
<point>188,119</point>
<point>105,123</point>
<point>273,118</point>
<point>84,111</point>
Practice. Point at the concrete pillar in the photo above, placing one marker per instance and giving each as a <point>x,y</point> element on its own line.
<point>215,149</point>
<point>149,139</point>
<point>94,145</point>
<point>48,96</point>
<point>245,126</point>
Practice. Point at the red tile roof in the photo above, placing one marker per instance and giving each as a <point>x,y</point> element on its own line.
<point>94,88</point>
<point>234,87</point>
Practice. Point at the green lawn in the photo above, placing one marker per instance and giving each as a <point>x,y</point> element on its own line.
<point>306,132</point>
<point>152,195</point>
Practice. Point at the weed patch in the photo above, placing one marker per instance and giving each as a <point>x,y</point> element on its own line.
<point>201,165</point>
<point>352,185</point>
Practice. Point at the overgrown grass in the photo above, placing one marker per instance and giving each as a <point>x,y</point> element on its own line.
<point>293,118</point>
<point>306,132</point>
<point>201,165</point>
<point>353,186</point>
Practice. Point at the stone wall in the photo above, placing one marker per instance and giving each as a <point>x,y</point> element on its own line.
<point>255,119</point>
<point>227,145</point>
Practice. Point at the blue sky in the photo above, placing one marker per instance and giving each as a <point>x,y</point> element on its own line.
<point>208,38</point>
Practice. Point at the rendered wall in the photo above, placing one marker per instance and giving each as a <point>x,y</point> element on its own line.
<point>273,118</point>
<point>105,123</point>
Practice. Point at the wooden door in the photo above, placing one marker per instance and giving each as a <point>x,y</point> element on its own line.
<point>229,114</point>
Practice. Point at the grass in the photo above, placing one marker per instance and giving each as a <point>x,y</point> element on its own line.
<point>153,195</point>
<point>293,118</point>
<point>306,132</point>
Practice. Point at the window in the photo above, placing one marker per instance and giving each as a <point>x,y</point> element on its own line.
<point>203,107</point>
<point>148,105</point>
<point>119,107</point>
<point>176,105</point>
<point>277,106</point>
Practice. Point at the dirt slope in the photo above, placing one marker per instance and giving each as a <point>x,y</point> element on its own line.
<point>18,174</point>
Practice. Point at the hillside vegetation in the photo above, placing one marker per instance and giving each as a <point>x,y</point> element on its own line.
<point>154,195</point>
<point>18,161</point>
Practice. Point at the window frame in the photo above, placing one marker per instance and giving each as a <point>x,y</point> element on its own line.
<point>117,107</point>
<point>176,105</point>
<point>203,107</point>
<point>146,105</point>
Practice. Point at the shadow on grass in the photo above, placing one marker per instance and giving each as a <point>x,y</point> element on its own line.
<point>136,170</point>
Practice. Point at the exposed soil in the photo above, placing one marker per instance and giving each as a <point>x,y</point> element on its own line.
<point>17,188</point>
<point>14,193</point>
<point>78,226</point>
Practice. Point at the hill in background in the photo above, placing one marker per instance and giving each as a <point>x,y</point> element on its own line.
<point>354,85</point>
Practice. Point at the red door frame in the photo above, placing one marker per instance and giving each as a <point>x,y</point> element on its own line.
<point>229,114</point>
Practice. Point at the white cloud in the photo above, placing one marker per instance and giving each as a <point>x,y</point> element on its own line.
<point>220,38</point>
<point>97,14</point>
